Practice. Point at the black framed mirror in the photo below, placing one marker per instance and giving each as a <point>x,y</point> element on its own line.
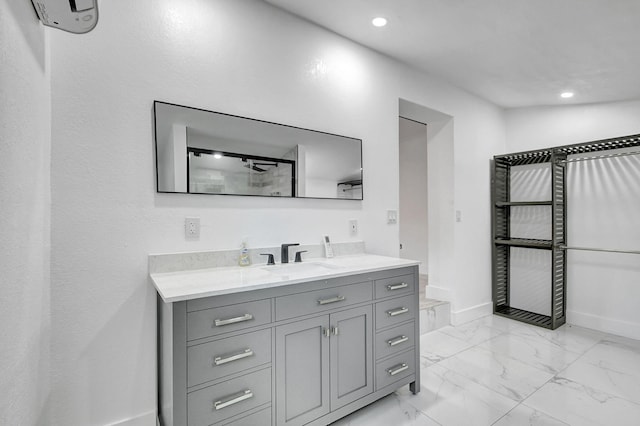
<point>207,152</point>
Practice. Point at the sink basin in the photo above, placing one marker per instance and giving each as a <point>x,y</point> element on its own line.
<point>310,268</point>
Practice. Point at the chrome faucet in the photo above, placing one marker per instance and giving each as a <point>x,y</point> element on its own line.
<point>284,252</point>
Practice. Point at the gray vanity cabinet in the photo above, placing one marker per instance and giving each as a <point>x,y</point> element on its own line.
<point>302,354</point>
<point>323,364</point>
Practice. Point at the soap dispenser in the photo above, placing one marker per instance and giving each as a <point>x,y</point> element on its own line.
<point>244,259</point>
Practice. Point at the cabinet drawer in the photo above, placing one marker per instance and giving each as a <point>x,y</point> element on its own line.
<point>394,286</point>
<point>211,322</point>
<point>216,403</point>
<point>394,340</point>
<point>213,360</point>
<point>322,300</point>
<point>261,418</point>
<point>395,311</point>
<point>394,369</point>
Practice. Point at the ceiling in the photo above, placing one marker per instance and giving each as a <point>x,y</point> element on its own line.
<point>514,53</point>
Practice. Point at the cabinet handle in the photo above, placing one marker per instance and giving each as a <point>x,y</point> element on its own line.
<point>397,369</point>
<point>221,322</point>
<point>392,287</point>
<point>331,300</point>
<point>397,340</point>
<point>244,354</point>
<point>399,311</point>
<point>334,330</point>
<point>326,332</point>
<point>233,399</point>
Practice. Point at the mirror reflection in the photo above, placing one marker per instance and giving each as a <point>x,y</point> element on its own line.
<point>205,152</point>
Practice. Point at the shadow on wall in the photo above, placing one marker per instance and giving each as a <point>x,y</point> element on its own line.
<point>30,26</point>
<point>91,367</point>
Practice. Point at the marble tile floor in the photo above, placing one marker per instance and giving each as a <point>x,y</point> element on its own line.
<point>496,371</point>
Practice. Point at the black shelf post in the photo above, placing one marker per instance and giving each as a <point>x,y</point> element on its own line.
<point>558,226</point>
<point>501,224</point>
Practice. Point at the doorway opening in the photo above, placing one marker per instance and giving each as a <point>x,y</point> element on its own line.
<point>426,195</point>
<point>413,225</point>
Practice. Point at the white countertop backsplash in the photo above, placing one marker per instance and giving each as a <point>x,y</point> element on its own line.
<point>184,276</point>
<point>173,262</point>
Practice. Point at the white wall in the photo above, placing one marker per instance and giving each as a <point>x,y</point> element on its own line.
<point>321,187</point>
<point>179,154</point>
<point>24,216</point>
<point>413,192</point>
<point>440,205</point>
<point>603,203</point>
<point>241,57</point>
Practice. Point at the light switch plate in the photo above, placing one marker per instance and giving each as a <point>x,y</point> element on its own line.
<point>392,216</point>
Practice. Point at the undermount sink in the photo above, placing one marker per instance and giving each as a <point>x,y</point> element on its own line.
<point>300,268</point>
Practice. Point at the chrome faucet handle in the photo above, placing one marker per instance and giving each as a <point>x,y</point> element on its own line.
<point>270,260</point>
<point>299,255</point>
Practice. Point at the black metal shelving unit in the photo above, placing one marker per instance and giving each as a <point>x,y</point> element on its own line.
<point>501,167</point>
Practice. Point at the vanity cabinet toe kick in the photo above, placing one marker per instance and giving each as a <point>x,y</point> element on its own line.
<point>303,354</point>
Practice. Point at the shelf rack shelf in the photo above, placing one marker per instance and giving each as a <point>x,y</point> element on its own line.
<point>525,242</point>
<point>558,159</point>
<point>523,203</point>
<point>524,316</point>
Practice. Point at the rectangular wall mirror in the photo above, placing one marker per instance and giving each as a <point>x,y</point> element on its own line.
<point>206,152</point>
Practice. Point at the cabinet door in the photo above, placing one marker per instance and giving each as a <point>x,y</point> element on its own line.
<point>302,371</point>
<point>351,355</point>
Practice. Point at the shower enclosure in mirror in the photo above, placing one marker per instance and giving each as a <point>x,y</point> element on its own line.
<point>205,152</point>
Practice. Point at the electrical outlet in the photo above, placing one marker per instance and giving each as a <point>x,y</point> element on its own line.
<point>192,228</point>
<point>458,215</point>
<point>353,227</point>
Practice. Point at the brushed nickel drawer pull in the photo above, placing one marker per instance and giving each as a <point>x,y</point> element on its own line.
<point>326,332</point>
<point>233,399</point>
<point>397,369</point>
<point>399,311</point>
<point>397,340</point>
<point>221,322</point>
<point>334,330</point>
<point>331,300</point>
<point>392,287</point>
<point>240,355</point>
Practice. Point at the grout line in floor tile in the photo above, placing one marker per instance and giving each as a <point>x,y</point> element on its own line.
<point>536,391</point>
<point>513,408</point>
<point>556,376</point>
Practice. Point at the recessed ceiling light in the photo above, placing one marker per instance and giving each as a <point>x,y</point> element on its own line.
<point>217,155</point>
<point>566,95</point>
<point>379,22</point>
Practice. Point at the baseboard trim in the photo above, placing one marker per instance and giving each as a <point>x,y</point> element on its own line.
<point>472,313</point>
<point>607,325</point>
<point>146,419</point>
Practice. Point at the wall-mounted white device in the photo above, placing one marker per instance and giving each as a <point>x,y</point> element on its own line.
<point>328,250</point>
<point>74,16</point>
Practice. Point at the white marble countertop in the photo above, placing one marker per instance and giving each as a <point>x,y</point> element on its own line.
<point>193,284</point>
